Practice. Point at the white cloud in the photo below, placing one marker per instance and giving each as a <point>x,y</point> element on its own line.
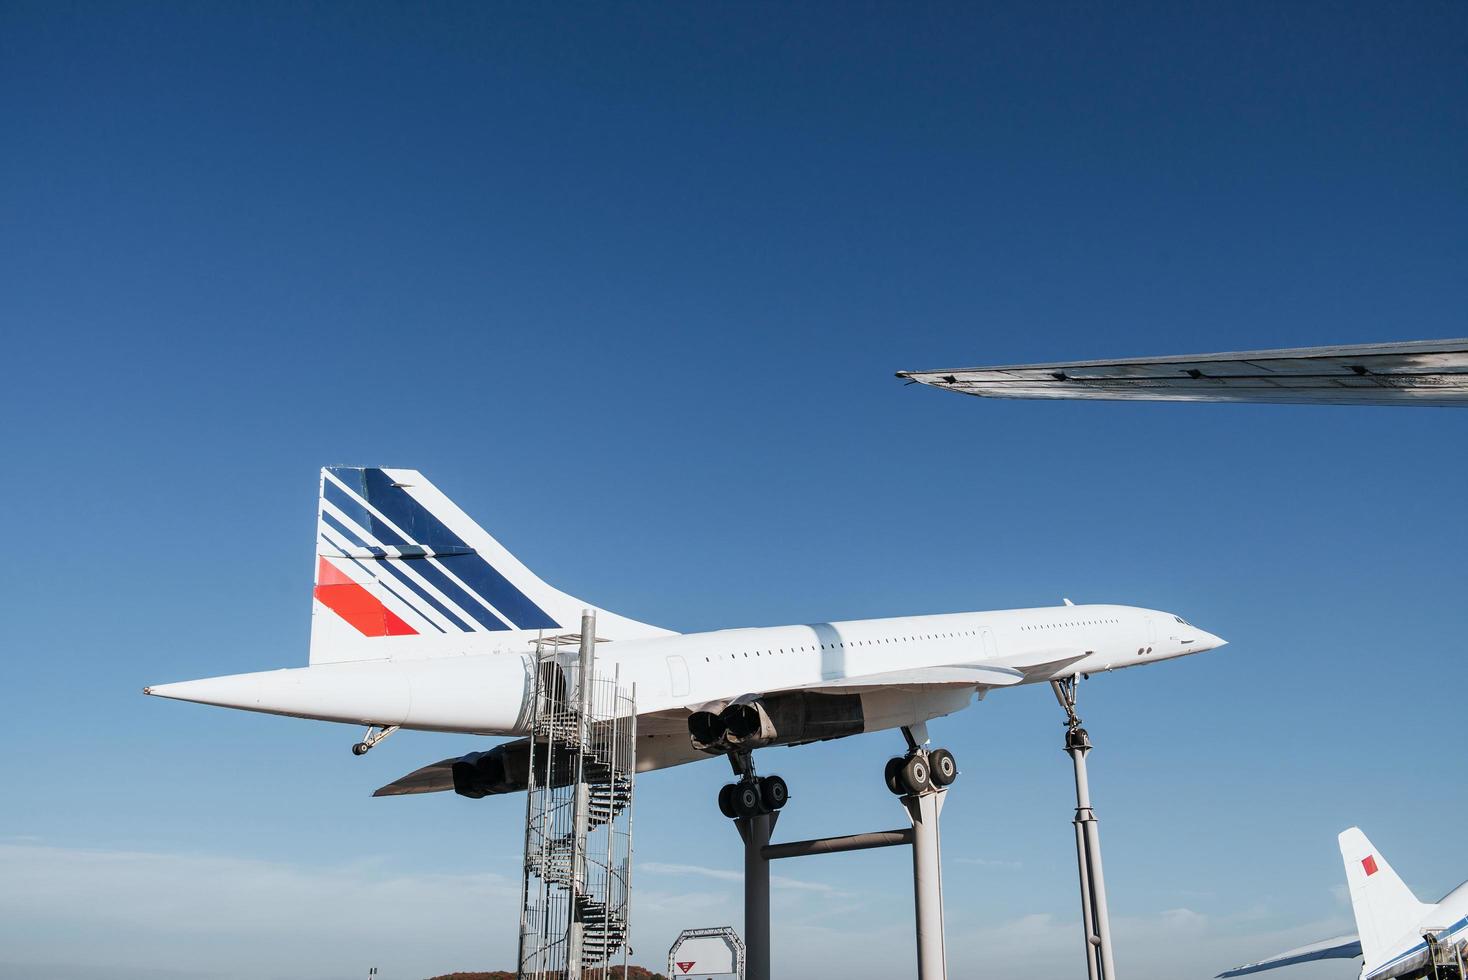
<point>1184,920</point>
<point>735,877</point>
<point>664,868</point>
<point>987,862</point>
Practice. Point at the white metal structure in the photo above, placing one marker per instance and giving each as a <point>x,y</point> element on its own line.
<point>1418,372</point>
<point>707,954</point>
<point>1399,936</point>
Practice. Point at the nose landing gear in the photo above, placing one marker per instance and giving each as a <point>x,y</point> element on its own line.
<point>375,734</point>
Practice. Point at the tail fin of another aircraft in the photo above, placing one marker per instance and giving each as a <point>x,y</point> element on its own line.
<point>401,572</point>
<point>1386,910</point>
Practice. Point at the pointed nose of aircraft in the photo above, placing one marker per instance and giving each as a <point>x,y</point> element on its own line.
<point>1208,641</point>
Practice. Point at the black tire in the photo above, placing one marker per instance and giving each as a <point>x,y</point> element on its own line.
<point>773,792</point>
<point>746,797</point>
<point>893,776</point>
<point>916,776</point>
<point>360,748</point>
<point>943,767</point>
<point>726,801</point>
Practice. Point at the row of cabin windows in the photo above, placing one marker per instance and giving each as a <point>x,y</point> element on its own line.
<point>1079,622</point>
<point>855,643</point>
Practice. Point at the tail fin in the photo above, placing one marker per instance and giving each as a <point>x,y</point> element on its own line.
<point>1386,910</point>
<point>401,572</point>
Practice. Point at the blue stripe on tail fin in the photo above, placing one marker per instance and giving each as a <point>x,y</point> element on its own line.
<point>400,544</point>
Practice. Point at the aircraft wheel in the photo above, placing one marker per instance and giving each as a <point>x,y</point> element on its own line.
<point>726,801</point>
<point>774,793</point>
<point>746,799</point>
<point>893,776</point>
<point>916,776</point>
<point>944,767</point>
<point>360,748</point>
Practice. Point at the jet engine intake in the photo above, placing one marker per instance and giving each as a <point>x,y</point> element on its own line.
<point>706,726</point>
<point>787,718</point>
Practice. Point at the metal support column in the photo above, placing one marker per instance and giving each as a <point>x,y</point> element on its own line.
<point>756,833</point>
<point>923,809</point>
<point>1095,917</point>
<point>927,883</point>
<point>576,934</point>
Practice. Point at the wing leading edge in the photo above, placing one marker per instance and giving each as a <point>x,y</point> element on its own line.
<point>1419,372</point>
<point>1340,948</point>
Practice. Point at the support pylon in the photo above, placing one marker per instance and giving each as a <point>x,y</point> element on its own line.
<point>1095,917</point>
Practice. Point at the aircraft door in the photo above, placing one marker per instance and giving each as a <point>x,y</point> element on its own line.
<point>678,677</point>
<point>991,649</point>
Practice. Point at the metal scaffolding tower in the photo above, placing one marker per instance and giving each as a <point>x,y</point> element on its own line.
<point>578,814</point>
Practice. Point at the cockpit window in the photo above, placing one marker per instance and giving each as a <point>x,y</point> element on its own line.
<point>1181,620</point>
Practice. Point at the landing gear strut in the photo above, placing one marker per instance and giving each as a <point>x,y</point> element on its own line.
<point>375,734</point>
<point>754,804</point>
<point>920,778</point>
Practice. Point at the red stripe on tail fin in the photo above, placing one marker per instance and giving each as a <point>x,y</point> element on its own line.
<point>355,604</point>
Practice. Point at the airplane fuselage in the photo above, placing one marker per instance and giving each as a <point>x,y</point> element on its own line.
<point>488,694</point>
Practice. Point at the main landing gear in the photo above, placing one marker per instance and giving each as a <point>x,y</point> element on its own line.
<point>753,794</point>
<point>922,770</point>
<point>920,778</point>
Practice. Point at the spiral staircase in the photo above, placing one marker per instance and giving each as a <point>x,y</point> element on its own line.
<point>574,920</point>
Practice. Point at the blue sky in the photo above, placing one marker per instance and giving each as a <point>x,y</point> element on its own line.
<point>630,284</point>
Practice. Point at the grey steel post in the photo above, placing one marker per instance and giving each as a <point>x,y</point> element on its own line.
<point>1093,962</point>
<point>756,833</point>
<point>575,935</point>
<point>1095,917</point>
<point>927,884</point>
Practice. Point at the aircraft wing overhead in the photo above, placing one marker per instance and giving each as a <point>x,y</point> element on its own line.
<point>1420,372</point>
<point>1340,948</point>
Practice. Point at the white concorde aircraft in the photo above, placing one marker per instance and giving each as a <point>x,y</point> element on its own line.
<point>1398,934</point>
<point>423,621</point>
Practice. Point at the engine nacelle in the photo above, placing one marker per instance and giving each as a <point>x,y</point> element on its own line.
<point>788,718</point>
<point>502,769</point>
